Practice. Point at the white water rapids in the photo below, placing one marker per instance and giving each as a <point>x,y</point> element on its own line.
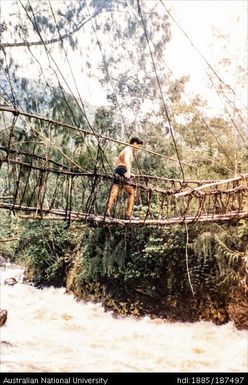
<point>48,331</point>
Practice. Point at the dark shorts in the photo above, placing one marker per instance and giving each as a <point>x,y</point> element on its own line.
<point>119,175</point>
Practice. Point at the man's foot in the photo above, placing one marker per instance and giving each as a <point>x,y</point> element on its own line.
<point>130,217</point>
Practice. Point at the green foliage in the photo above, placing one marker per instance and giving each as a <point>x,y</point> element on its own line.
<point>217,254</point>
<point>104,122</point>
<point>45,250</point>
<point>153,260</point>
<point>146,258</point>
<point>103,253</point>
<point>65,17</point>
<point>242,235</point>
<point>7,231</point>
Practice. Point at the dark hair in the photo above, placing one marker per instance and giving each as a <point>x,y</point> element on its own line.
<point>134,139</point>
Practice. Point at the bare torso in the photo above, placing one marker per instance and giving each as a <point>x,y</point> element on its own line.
<point>125,157</point>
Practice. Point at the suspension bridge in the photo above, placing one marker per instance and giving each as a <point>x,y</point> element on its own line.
<point>41,180</point>
<point>36,186</point>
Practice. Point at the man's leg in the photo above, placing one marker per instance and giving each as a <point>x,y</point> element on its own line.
<point>131,196</point>
<point>112,196</point>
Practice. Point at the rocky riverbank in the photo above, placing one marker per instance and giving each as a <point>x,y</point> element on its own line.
<point>124,300</point>
<point>146,271</point>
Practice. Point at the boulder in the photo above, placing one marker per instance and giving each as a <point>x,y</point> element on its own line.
<point>10,281</point>
<point>3,317</point>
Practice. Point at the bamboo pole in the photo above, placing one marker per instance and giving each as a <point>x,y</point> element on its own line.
<point>238,178</point>
<point>6,197</point>
<point>9,240</point>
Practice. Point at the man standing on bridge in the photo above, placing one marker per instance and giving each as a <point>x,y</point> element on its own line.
<point>122,175</point>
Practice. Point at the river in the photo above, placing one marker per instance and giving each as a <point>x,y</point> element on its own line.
<point>49,331</point>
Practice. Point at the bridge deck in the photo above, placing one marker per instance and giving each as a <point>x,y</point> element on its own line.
<point>101,220</point>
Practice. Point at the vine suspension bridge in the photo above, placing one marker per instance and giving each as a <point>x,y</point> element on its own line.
<point>40,186</point>
<point>39,179</point>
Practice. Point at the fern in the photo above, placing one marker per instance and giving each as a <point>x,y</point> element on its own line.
<point>217,261</point>
<point>203,246</point>
<point>224,253</point>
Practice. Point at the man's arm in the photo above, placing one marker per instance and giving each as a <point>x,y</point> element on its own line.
<point>128,158</point>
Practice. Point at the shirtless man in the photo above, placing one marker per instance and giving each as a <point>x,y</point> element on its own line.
<point>122,173</point>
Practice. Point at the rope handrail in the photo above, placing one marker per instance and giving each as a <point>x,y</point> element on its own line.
<point>86,132</point>
<point>89,175</point>
<point>173,192</point>
<point>76,172</point>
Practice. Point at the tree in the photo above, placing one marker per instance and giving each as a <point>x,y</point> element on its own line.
<point>113,49</point>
